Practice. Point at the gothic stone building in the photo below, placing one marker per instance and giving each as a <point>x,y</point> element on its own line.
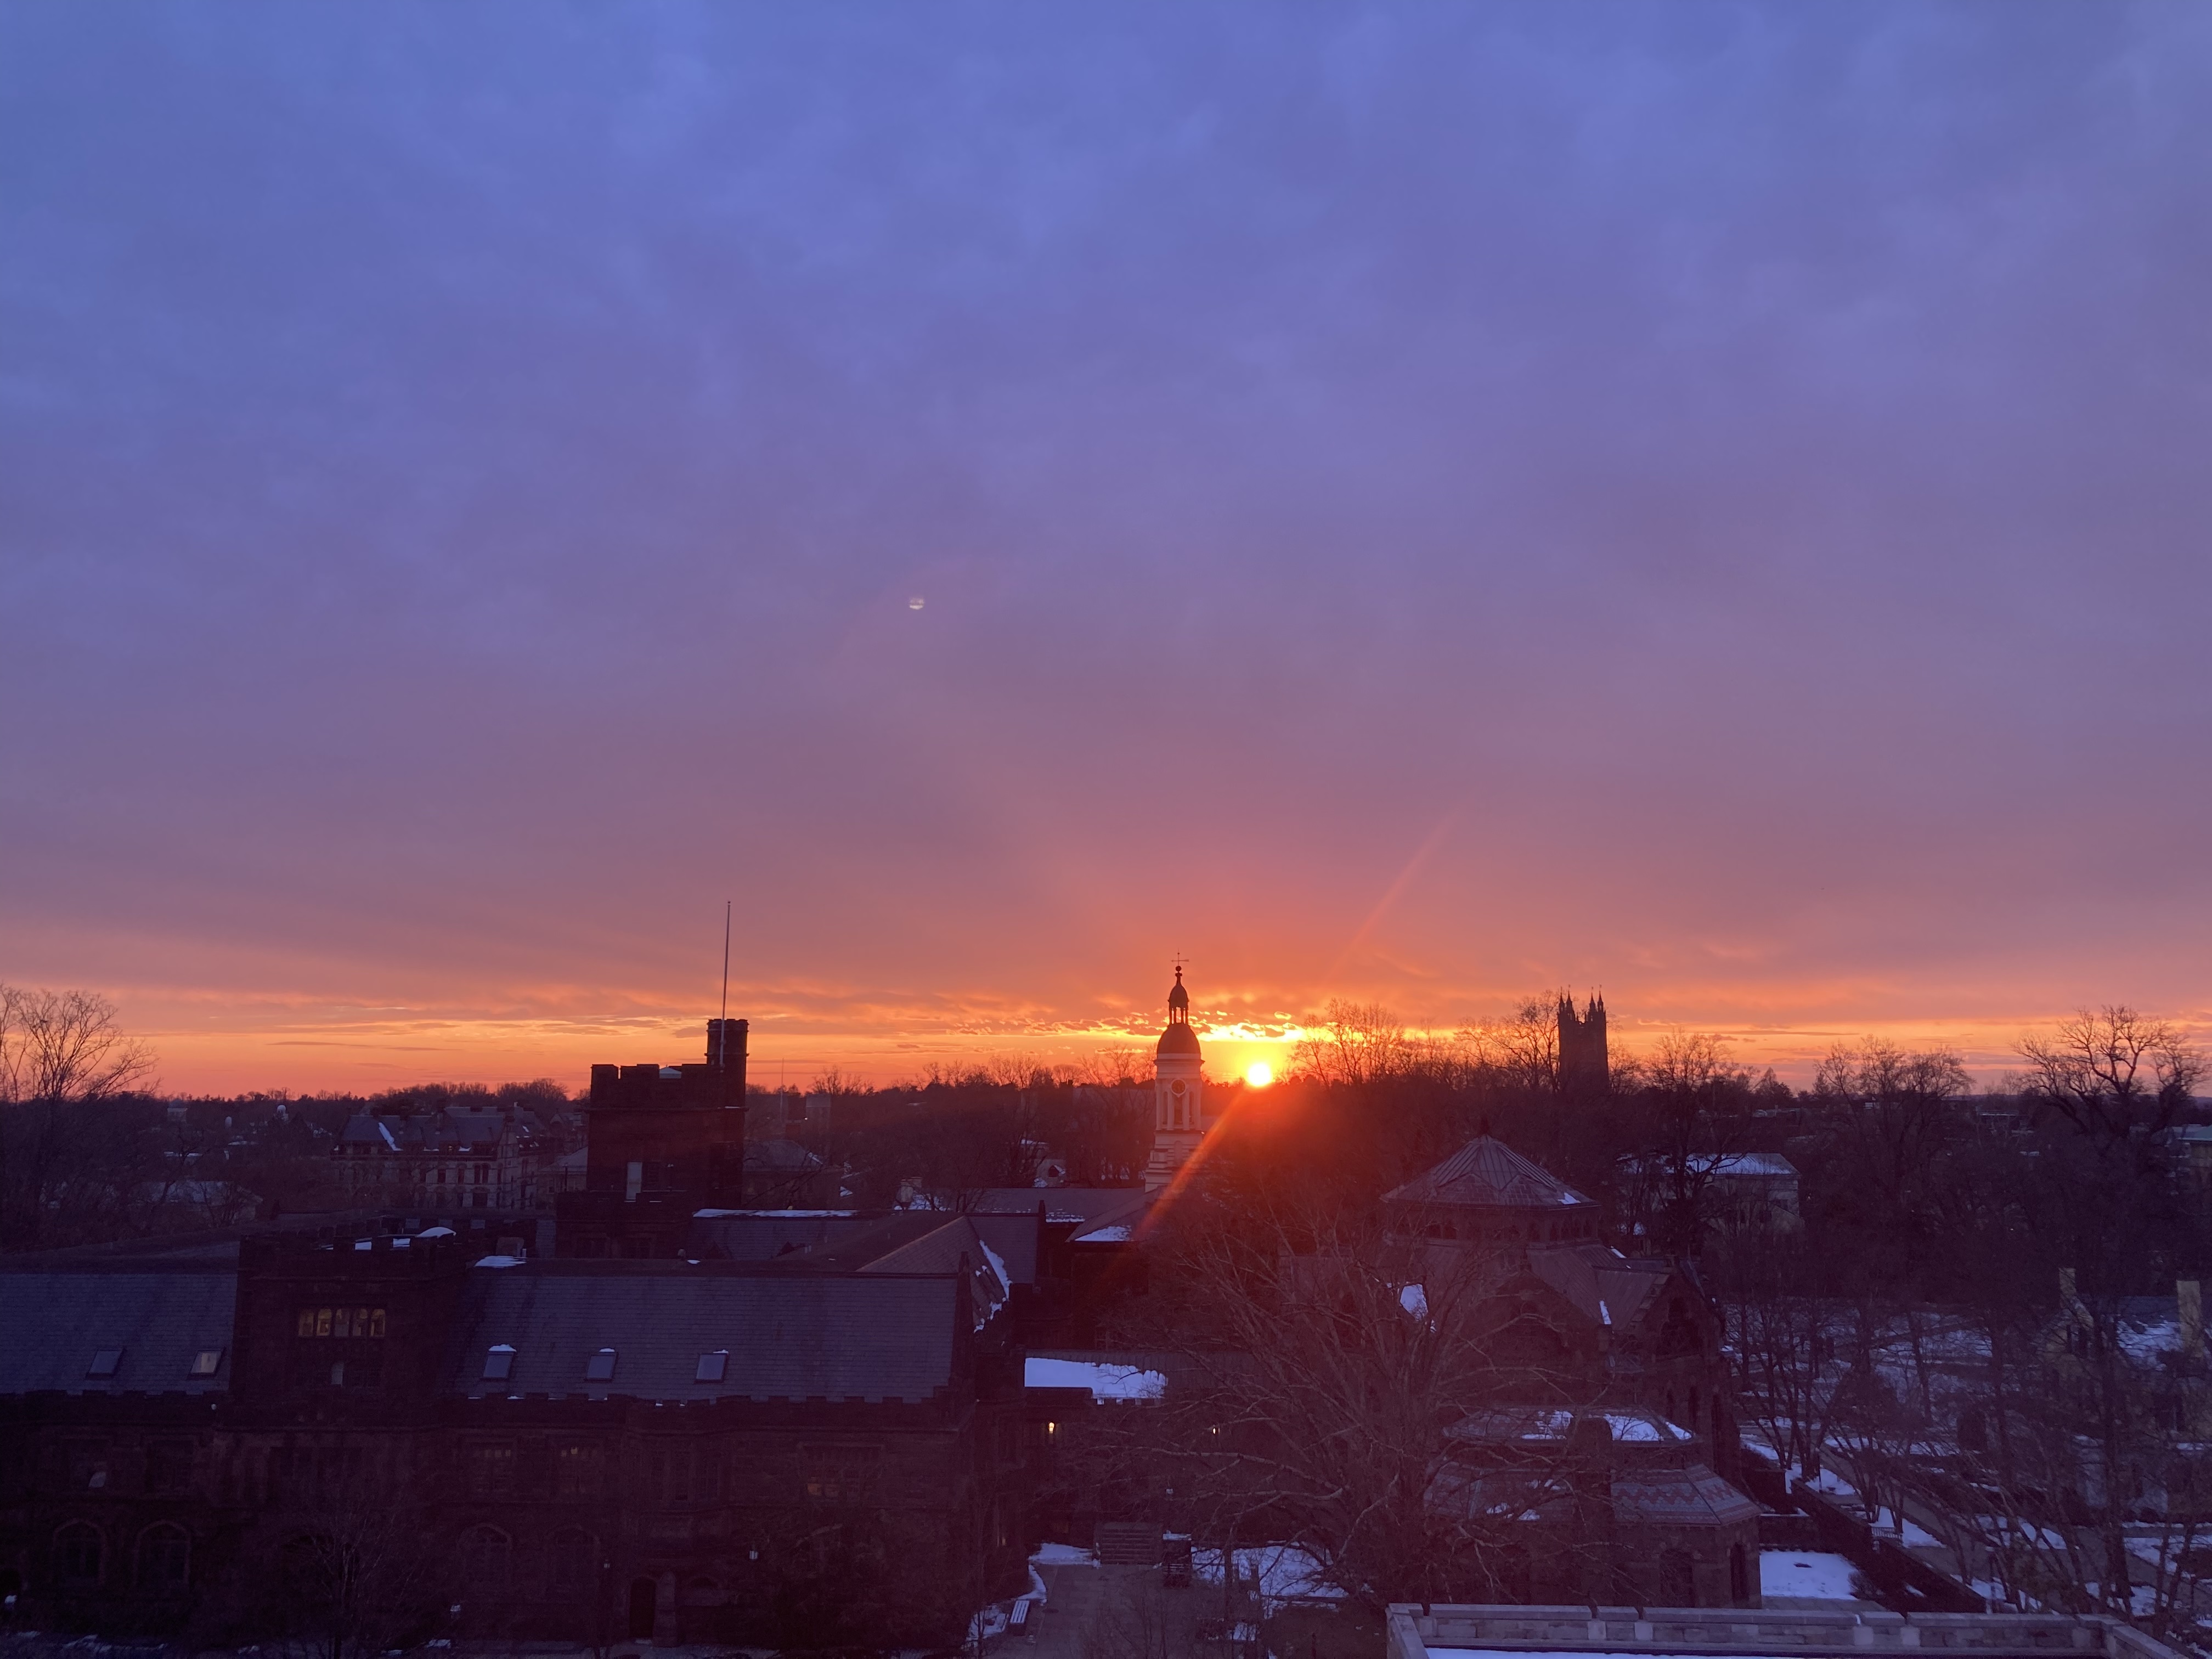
<point>1622,1436</point>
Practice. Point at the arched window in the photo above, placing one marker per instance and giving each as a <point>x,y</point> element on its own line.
<point>165,1558</point>
<point>80,1552</point>
<point>573,1564</point>
<point>1739,1576</point>
<point>1678,1581</point>
<point>485,1554</point>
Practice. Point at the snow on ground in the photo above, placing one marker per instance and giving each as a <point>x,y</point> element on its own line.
<point>1284,1572</point>
<point>1105,1382</point>
<point>1807,1573</point>
<point>1062,1555</point>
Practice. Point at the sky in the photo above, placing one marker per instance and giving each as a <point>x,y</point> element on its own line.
<point>1412,504</point>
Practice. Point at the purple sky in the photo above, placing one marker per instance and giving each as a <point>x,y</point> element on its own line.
<point>1418,503</point>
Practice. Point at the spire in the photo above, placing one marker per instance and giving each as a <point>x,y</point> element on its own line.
<point>1178,1002</point>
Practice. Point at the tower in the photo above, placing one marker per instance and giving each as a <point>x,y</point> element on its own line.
<point>1585,1067</point>
<point>1178,1083</point>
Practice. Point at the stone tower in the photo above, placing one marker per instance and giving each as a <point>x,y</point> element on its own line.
<point>1178,1109</point>
<point>1584,1068</point>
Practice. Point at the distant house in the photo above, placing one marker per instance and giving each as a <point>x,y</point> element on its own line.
<point>500,1158</point>
<point>1752,1191</point>
<point>1740,1192</point>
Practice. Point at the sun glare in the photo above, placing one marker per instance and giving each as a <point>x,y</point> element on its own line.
<point>1259,1074</point>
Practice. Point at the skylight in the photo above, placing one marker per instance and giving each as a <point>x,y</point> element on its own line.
<point>600,1367</point>
<point>713,1367</point>
<point>106,1362</point>
<point>498,1362</point>
<point>207,1362</point>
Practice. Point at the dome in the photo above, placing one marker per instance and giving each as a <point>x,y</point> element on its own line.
<point>1177,1039</point>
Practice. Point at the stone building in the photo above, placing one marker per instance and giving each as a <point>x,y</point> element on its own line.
<point>660,1142</point>
<point>578,1451</point>
<point>1614,1434</point>
<point>500,1158</point>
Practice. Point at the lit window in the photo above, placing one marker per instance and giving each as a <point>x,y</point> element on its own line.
<point>600,1367</point>
<point>713,1367</point>
<point>499,1363</point>
<point>106,1362</point>
<point>207,1362</point>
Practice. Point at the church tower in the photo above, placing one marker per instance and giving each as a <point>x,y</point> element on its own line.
<point>1178,1114</point>
<point>1585,1067</point>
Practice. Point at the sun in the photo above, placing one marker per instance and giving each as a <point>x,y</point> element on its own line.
<point>1259,1074</point>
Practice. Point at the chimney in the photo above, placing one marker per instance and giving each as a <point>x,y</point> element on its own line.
<point>726,1056</point>
<point>2189,1299</point>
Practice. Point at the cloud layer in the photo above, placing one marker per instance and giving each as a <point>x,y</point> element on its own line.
<point>1415,503</point>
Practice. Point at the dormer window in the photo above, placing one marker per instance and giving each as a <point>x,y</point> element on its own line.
<point>600,1367</point>
<point>498,1362</point>
<point>713,1367</point>
<point>105,1363</point>
<point>206,1363</point>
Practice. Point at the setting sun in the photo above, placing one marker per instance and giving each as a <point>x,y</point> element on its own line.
<point>1259,1074</point>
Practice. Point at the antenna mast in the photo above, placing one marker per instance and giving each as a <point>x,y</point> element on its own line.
<point>722,1038</point>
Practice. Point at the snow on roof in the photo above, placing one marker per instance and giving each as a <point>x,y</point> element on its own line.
<point>499,1262</point>
<point>1806,1575</point>
<point>1116,1234</point>
<point>1105,1382</point>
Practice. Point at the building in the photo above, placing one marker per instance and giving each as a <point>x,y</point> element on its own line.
<point>582,1451</point>
<point>1613,1435</point>
<point>1585,1068</point>
<point>1178,1094</point>
<point>1444,1631</point>
<point>502,1158</point>
<point>660,1142</point>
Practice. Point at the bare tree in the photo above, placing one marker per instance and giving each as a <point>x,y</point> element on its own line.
<point>1354,1043</point>
<point>60,1053</point>
<point>1520,1051</point>
<point>2113,1072</point>
<point>1695,1120</point>
<point>1328,1382</point>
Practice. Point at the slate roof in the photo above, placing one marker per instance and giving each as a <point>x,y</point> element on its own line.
<point>1015,1238</point>
<point>1093,1205</point>
<point>1487,1174</point>
<point>448,1131</point>
<point>1603,1286</point>
<point>1691,1496</point>
<point>789,1335</point>
<point>765,1235</point>
<point>56,1320</point>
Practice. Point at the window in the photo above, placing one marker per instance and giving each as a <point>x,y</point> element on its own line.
<point>839,1473</point>
<point>341,1322</point>
<point>79,1552</point>
<point>105,1363</point>
<point>485,1555</point>
<point>206,1363</point>
<point>87,1468</point>
<point>574,1560</point>
<point>165,1558</point>
<point>491,1469</point>
<point>498,1362</point>
<point>713,1367</point>
<point>577,1468</point>
<point>169,1466</point>
<point>600,1367</point>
